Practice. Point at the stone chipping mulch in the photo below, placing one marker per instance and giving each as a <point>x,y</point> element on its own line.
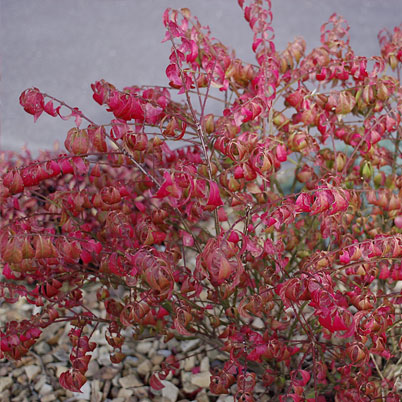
<point>35,377</point>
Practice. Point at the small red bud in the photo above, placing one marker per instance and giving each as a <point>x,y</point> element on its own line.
<point>209,123</point>
<point>13,181</point>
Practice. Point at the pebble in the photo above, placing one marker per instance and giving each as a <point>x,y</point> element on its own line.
<point>107,373</point>
<point>53,340</point>
<point>40,383</point>
<point>48,398</point>
<point>144,368</point>
<point>204,365</point>
<point>6,395</point>
<point>144,347</point>
<point>42,348</point>
<point>164,352</point>
<point>186,346</point>
<point>45,389</point>
<point>202,396</point>
<point>131,360</point>
<point>99,338</point>
<point>189,363</point>
<point>130,381</point>
<point>201,379</point>
<point>96,394</point>
<point>61,355</point>
<point>125,393</point>
<point>22,393</point>
<point>157,359</point>
<point>217,355</point>
<point>259,388</point>
<point>104,356</point>
<point>171,392</point>
<point>5,383</point>
<point>32,371</point>
<point>46,359</point>
<point>258,323</point>
<point>85,393</point>
<point>17,372</point>
<point>93,368</point>
<point>141,393</point>
<point>225,398</point>
<point>95,354</point>
<point>22,379</point>
<point>60,369</point>
<point>189,388</point>
<point>115,379</point>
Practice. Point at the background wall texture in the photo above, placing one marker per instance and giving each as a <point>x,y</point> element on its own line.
<point>61,47</point>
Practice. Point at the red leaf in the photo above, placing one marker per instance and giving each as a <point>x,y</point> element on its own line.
<point>214,199</point>
<point>155,383</point>
<point>33,102</point>
<point>72,380</point>
<point>173,73</point>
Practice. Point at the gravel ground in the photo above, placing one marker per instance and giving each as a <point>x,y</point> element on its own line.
<point>35,377</point>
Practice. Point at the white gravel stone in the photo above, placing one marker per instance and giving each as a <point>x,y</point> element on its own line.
<point>96,393</point>
<point>95,354</point>
<point>130,381</point>
<point>125,393</point>
<point>144,347</point>
<point>61,355</point>
<point>157,359</point>
<point>115,379</point>
<point>144,368</point>
<point>93,368</point>
<point>164,352</point>
<point>45,389</point>
<point>104,356</point>
<point>171,392</point>
<point>131,360</point>
<point>32,371</point>
<point>189,388</point>
<point>186,346</point>
<point>85,393</point>
<point>60,370</point>
<point>258,323</point>
<point>42,348</point>
<point>204,365</point>
<point>225,398</point>
<point>141,393</point>
<point>47,359</point>
<point>189,363</point>
<point>202,396</point>
<point>201,379</point>
<point>5,383</point>
<point>99,338</point>
<point>48,398</point>
<point>40,383</point>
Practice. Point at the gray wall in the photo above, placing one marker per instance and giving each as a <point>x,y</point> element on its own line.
<point>62,46</point>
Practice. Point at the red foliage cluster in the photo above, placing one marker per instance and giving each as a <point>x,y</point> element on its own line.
<point>275,234</point>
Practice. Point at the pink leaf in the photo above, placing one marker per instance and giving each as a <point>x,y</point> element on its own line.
<point>214,199</point>
<point>173,73</point>
<point>155,383</point>
<point>188,239</point>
